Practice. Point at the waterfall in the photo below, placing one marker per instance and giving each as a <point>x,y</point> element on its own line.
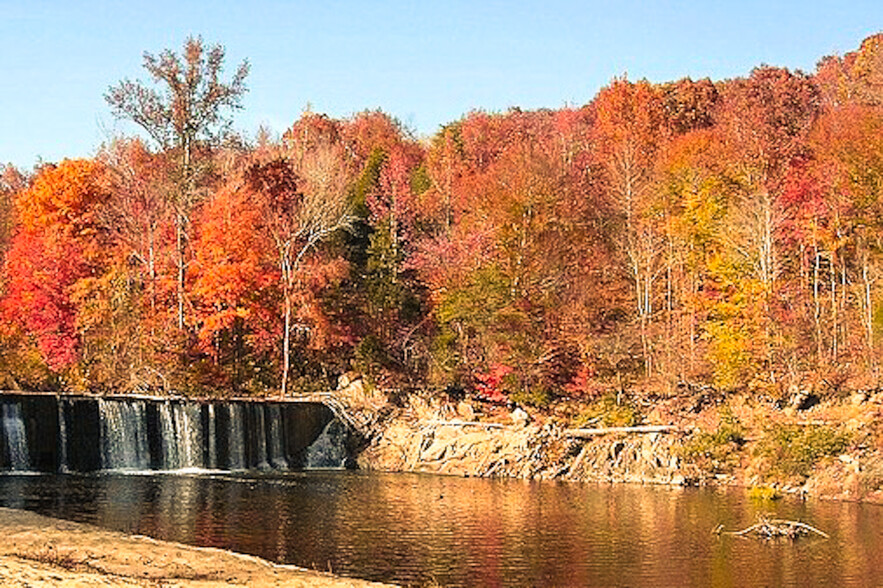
<point>16,438</point>
<point>62,437</point>
<point>189,433</point>
<point>168,438</point>
<point>212,433</point>
<point>261,439</point>
<point>276,448</point>
<point>60,433</point>
<point>181,430</point>
<point>123,435</point>
<point>236,437</point>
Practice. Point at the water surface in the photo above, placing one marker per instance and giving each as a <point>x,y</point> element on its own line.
<point>415,529</point>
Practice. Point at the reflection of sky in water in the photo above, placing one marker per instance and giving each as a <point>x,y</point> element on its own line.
<point>417,529</point>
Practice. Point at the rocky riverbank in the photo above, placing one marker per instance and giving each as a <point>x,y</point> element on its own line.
<point>831,450</point>
<point>38,551</point>
<point>539,452</point>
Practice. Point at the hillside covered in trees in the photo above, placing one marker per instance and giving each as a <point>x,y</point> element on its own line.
<point>691,233</point>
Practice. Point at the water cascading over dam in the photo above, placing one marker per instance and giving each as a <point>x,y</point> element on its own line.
<point>49,433</point>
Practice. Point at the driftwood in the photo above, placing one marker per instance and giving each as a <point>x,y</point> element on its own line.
<point>457,423</point>
<point>606,430</point>
<point>774,529</point>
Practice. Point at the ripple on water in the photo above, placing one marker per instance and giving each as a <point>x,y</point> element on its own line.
<point>415,529</point>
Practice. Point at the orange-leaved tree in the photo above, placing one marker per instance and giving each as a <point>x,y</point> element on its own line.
<point>235,286</point>
<point>58,243</point>
<point>186,117</point>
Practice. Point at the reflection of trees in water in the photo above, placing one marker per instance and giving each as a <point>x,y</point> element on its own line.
<point>414,529</point>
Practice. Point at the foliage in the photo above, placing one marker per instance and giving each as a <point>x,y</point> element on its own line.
<point>192,102</point>
<point>57,245</point>
<point>716,450</point>
<point>492,384</point>
<point>611,410</point>
<point>300,202</point>
<point>763,493</point>
<point>187,116</point>
<point>793,450</point>
<point>538,397</point>
<point>723,233</point>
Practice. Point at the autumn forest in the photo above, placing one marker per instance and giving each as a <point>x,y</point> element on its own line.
<point>684,234</point>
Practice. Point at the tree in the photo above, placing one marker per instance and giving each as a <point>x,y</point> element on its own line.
<point>855,78</point>
<point>392,301</point>
<point>848,154</point>
<point>764,120</point>
<point>689,105</point>
<point>629,132</point>
<point>136,211</point>
<point>11,182</point>
<point>190,111</point>
<point>694,200</point>
<point>235,287</point>
<point>57,244</point>
<point>301,204</point>
<point>506,245</point>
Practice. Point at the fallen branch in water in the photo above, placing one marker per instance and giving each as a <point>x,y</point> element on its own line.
<point>774,528</point>
<point>606,430</point>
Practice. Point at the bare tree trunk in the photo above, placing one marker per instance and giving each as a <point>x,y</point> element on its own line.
<point>286,344</point>
<point>669,305</point>
<point>868,313</point>
<point>180,224</point>
<point>640,261</point>
<point>151,267</point>
<point>287,277</point>
<point>179,253</point>
<point>835,318</point>
<point>817,309</point>
<point>768,274</point>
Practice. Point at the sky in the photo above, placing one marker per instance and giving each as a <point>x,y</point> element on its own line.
<point>425,62</point>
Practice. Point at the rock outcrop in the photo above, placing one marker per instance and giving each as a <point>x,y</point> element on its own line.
<point>464,438</point>
<point>468,448</point>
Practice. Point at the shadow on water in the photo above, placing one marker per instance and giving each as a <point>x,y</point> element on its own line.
<point>415,529</point>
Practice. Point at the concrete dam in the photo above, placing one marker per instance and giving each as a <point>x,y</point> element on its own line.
<point>73,433</point>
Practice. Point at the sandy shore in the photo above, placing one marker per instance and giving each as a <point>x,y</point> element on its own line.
<point>41,551</point>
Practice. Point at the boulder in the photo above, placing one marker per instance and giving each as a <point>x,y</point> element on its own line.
<point>519,417</point>
<point>465,411</point>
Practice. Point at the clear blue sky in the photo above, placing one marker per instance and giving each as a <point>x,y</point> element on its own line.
<point>426,63</point>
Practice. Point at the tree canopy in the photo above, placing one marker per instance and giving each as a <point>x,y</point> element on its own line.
<point>689,233</point>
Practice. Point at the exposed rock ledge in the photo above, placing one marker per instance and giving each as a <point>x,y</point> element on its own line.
<point>470,449</point>
<point>432,436</point>
<point>38,551</point>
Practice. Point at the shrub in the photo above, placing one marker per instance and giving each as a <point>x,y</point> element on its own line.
<point>872,476</point>
<point>611,410</point>
<point>763,493</point>
<point>794,450</point>
<point>491,384</point>
<point>539,397</point>
<point>716,450</point>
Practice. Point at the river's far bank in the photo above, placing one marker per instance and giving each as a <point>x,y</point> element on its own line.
<point>832,449</point>
<point>39,551</point>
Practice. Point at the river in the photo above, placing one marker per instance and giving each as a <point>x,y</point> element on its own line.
<point>417,529</point>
